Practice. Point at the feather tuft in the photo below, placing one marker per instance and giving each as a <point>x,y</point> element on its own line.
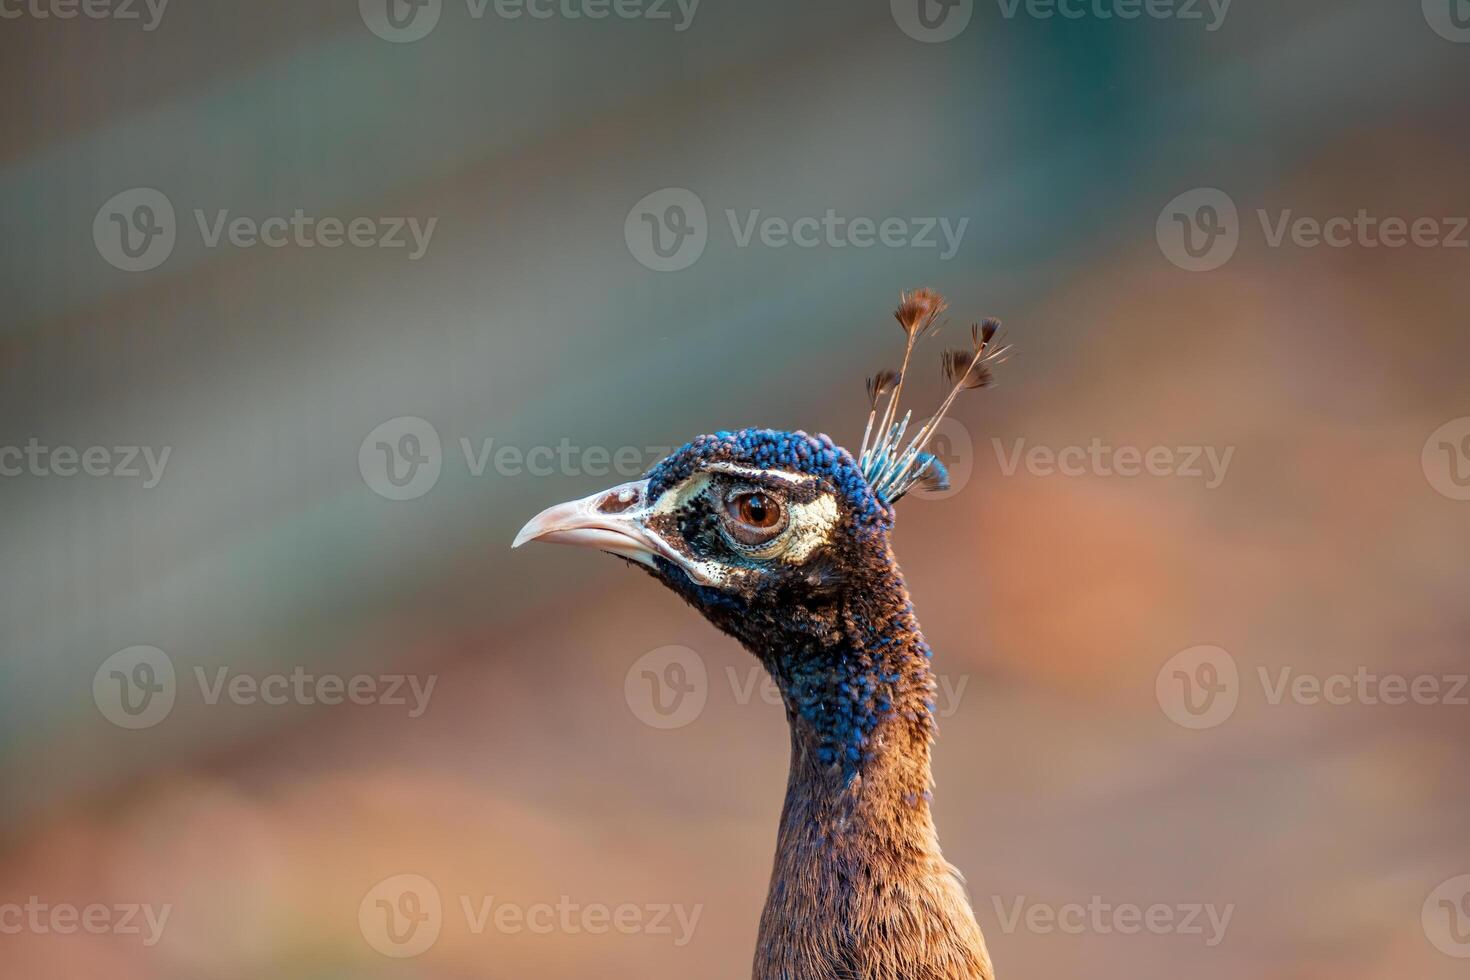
<point>891,465</point>
<point>967,369</point>
<point>880,384</point>
<point>932,474</point>
<point>918,310</point>
<point>984,332</point>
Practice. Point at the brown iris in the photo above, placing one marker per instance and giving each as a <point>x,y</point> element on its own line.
<point>755,509</point>
<point>754,517</point>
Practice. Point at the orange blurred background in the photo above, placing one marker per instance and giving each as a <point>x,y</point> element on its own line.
<point>1327,382</point>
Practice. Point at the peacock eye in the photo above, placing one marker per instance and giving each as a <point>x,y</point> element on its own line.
<point>754,517</point>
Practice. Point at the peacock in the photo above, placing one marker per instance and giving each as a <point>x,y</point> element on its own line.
<point>781,539</point>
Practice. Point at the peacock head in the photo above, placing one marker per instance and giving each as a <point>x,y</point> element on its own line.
<point>765,531</point>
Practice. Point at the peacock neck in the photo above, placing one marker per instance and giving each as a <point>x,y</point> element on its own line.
<point>861,720</point>
<point>860,704</point>
<point>859,886</point>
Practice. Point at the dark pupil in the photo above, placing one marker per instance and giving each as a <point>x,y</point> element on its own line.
<point>757,510</point>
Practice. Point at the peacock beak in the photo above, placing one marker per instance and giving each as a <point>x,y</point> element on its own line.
<point>614,520</point>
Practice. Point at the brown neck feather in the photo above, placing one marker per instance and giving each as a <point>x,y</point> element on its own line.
<point>859,887</point>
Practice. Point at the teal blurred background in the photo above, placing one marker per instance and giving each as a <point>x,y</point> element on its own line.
<point>532,318</point>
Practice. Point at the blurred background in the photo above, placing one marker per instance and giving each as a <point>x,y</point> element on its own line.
<point>307,307</point>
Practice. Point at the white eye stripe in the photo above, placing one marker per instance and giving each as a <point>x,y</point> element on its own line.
<point>676,497</point>
<point>752,473</point>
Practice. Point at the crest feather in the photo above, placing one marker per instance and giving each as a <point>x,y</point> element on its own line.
<point>891,466</point>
